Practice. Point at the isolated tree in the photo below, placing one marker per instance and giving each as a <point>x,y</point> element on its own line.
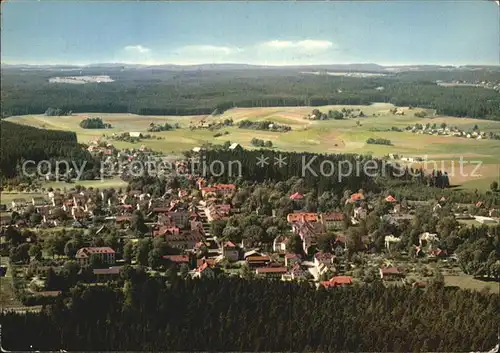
<point>217,227</point>
<point>35,251</point>
<point>143,248</point>
<point>295,244</point>
<point>494,186</point>
<point>184,270</point>
<point>137,223</point>
<point>128,251</point>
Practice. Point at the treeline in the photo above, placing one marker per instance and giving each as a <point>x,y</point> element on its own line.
<point>21,143</point>
<point>379,141</point>
<point>333,172</point>
<point>177,93</point>
<point>165,127</point>
<point>400,190</point>
<point>57,112</point>
<point>94,123</point>
<point>263,125</point>
<point>332,114</point>
<point>261,143</point>
<point>177,316</point>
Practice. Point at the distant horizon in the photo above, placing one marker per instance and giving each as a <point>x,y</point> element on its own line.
<point>299,33</point>
<point>243,64</point>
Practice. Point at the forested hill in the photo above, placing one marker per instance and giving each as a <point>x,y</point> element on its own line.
<point>226,314</point>
<point>20,142</point>
<point>163,91</point>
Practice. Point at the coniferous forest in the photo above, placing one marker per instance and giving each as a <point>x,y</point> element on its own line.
<point>22,143</point>
<point>225,314</point>
<point>160,91</point>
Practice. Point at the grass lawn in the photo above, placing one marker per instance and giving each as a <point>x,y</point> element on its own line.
<point>7,197</point>
<point>7,296</point>
<point>328,136</point>
<point>101,184</point>
<point>468,282</point>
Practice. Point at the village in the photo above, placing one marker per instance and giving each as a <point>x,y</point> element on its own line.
<point>192,229</point>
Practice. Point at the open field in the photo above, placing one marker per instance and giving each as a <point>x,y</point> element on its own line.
<point>468,282</point>
<point>115,183</point>
<point>7,196</point>
<point>329,136</point>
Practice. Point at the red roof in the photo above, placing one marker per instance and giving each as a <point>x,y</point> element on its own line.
<point>390,199</point>
<point>296,196</point>
<point>357,196</point>
<point>341,239</point>
<point>271,270</point>
<point>202,267</point>
<point>84,252</point>
<point>258,258</point>
<point>177,258</point>
<point>390,271</point>
<point>333,216</point>
<point>200,262</point>
<point>302,216</point>
<point>229,244</point>
<point>337,281</point>
<point>225,186</point>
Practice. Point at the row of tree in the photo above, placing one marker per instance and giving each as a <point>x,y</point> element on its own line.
<point>24,143</point>
<point>220,315</point>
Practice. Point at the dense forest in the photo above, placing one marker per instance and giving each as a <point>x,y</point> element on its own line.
<point>164,92</point>
<point>332,172</point>
<point>220,315</point>
<point>22,143</point>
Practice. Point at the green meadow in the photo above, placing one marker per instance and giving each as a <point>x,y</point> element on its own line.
<point>328,136</point>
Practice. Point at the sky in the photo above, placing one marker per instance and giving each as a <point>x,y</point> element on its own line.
<point>265,33</point>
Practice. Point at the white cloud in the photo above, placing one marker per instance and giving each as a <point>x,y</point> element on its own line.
<point>208,50</point>
<point>308,44</point>
<point>137,49</point>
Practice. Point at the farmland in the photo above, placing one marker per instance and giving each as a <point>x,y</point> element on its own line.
<point>320,136</point>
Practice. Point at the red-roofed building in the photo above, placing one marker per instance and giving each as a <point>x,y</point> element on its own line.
<point>337,281</point>
<point>357,197</point>
<point>271,271</point>
<point>177,259</point>
<point>390,198</point>
<point>85,256</point>
<point>323,258</point>
<point>296,196</point>
<point>302,217</point>
<point>204,271</point>
<point>257,261</point>
<point>280,243</point>
<point>390,273</point>
<point>333,220</point>
<point>295,273</point>
<point>225,189</point>
<point>218,190</point>
<point>230,251</point>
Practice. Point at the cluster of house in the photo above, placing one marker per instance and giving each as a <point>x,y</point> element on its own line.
<point>100,147</point>
<point>483,84</point>
<point>446,131</point>
<point>186,226</point>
